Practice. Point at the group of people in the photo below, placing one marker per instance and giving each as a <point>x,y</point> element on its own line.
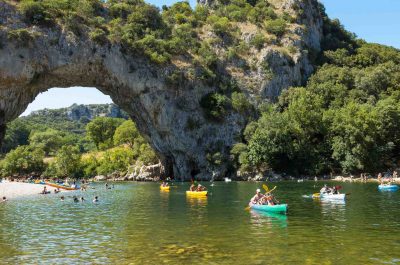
<point>389,180</point>
<point>263,199</point>
<point>197,187</point>
<point>81,199</point>
<point>329,190</point>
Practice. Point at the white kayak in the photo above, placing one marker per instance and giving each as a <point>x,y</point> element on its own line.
<point>330,196</point>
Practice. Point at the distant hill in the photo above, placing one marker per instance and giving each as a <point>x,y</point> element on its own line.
<point>74,118</point>
<point>82,112</point>
<point>71,120</point>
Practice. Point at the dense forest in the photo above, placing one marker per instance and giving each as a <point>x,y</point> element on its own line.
<point>346,119</point>
<point>79,141</point>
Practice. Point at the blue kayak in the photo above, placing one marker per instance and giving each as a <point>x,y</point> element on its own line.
<point>390,187</point>
<point>279,208</point>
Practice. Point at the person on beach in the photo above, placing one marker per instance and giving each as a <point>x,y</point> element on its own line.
<point>380,178</point>
<point>96,199</point>
<point>4,199</point>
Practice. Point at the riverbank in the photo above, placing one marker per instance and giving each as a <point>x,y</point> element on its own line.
<point>352,179</point>
<point>18,189</point>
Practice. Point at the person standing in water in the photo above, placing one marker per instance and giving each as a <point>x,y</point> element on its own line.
<point>4,199</point>
<point>96,199</point>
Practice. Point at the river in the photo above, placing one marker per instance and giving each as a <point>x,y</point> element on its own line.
<point>136,223</point>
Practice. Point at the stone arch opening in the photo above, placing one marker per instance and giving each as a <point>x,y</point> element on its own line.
<point>161,112</point>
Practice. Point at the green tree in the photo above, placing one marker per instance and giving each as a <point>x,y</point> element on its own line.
<point>101,131</point>
<point>126,133</point>
<point>50,140</point>
<point>17,134</point>
<point>23,160</point>
<point>67,162</point>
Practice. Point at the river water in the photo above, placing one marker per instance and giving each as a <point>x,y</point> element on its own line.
<point>136,223</point>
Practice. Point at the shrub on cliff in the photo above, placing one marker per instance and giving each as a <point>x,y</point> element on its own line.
<point>99,36</point>
<point>215,106</point>
<point>276,26</point>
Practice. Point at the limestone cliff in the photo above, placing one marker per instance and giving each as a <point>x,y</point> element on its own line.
<point>36,57</point>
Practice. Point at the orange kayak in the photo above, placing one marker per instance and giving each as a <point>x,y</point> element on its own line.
<point>59,186</point>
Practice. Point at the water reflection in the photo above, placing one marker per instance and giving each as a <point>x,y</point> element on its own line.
<point>269,219</point>
<point>197,201</point>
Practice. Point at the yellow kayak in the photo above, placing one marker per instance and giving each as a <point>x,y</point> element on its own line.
<point>196,193</point>
<point>164,188</point>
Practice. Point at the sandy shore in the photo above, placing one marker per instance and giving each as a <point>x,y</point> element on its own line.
<point>17,189</point>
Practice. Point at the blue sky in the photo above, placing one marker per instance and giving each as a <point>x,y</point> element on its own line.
<point>374,21</point>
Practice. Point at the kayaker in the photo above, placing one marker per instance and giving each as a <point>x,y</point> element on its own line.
<point>96,199</point>
<point>270,199</point>
<point>257,198</point>
<point>193,187</point>
<point>164,184</point>
<point>200,187</point>
<point>325,189</point>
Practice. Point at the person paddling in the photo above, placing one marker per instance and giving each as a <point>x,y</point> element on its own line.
<point>200,187</point>
<point>257,198</point>
<point>325,189</point>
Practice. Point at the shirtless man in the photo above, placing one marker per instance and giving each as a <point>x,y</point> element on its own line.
<point>257,198</point>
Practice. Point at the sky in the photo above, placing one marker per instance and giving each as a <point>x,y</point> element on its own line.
<point>374,21</point>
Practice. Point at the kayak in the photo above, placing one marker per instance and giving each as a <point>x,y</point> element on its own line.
<point>164,188</point>
<point>279,208</point>
<point>390,187</point>
<point>60,186</point>
<point>330,196</point>
<point>196,193</point>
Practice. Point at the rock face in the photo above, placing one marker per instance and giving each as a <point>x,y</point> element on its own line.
<point>169,116</point>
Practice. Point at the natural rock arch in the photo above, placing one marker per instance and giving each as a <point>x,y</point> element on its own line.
<point>168,115</point>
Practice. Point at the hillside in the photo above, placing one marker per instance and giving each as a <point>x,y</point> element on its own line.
<point>70,121</point>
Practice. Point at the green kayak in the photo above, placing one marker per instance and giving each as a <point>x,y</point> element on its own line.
<point>279,208</point>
